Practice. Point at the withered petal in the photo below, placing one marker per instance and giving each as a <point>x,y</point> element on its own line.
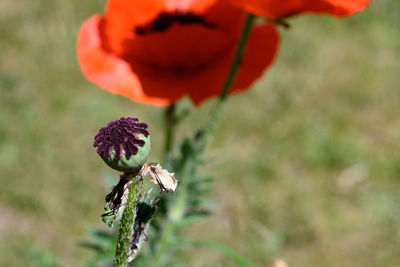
<point>160,176</point>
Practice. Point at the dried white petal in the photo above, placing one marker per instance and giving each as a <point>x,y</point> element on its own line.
<point>160,176</point>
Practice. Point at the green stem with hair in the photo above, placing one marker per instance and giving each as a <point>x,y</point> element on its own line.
<point>170,123</point>
<point>176,209</point>
<point>216,113</point>
<point>127,220</point>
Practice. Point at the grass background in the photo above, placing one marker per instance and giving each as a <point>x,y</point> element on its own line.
<point>307,162</point>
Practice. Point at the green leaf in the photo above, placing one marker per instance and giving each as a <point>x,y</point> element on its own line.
<point>190,219</point>
<point>98,248</point>
<point>101,242</point>
<point>201,202</point>
<point>201,179</point>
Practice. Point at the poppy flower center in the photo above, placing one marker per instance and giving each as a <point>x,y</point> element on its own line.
<point>179,43</point>
<point>166,20</point>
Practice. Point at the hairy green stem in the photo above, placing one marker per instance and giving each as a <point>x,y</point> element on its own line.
<point>126,224</point>
<point>216,113</point>
<point>170,123</point>
<point>176,210</point>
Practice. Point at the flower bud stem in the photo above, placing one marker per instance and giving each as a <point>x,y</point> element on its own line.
<point>127,220</point>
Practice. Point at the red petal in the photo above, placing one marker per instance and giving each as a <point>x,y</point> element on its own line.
<point>259,53</point>
<point>112,73</point>
<point>341,8</point>
<point>181,58</point>
<point>122,16</point>
<point>160,67</point>
<point>275,9</point>
<point>183,48</point>
<point>195,6</point>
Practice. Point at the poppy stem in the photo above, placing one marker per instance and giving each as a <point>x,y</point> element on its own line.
<point>238,56</point>
<point>216,113</point>
<point>170,123</point>
<point>126,224</point>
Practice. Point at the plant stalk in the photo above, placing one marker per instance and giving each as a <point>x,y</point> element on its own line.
<point>127,220</point>
<point>170,123</point>
<point>216,113</point>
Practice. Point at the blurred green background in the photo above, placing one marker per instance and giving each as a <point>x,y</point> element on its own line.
<point>307,162</point>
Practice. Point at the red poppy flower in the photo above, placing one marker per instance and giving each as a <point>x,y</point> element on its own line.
<point>275,9</point>
<point>158,51</point>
